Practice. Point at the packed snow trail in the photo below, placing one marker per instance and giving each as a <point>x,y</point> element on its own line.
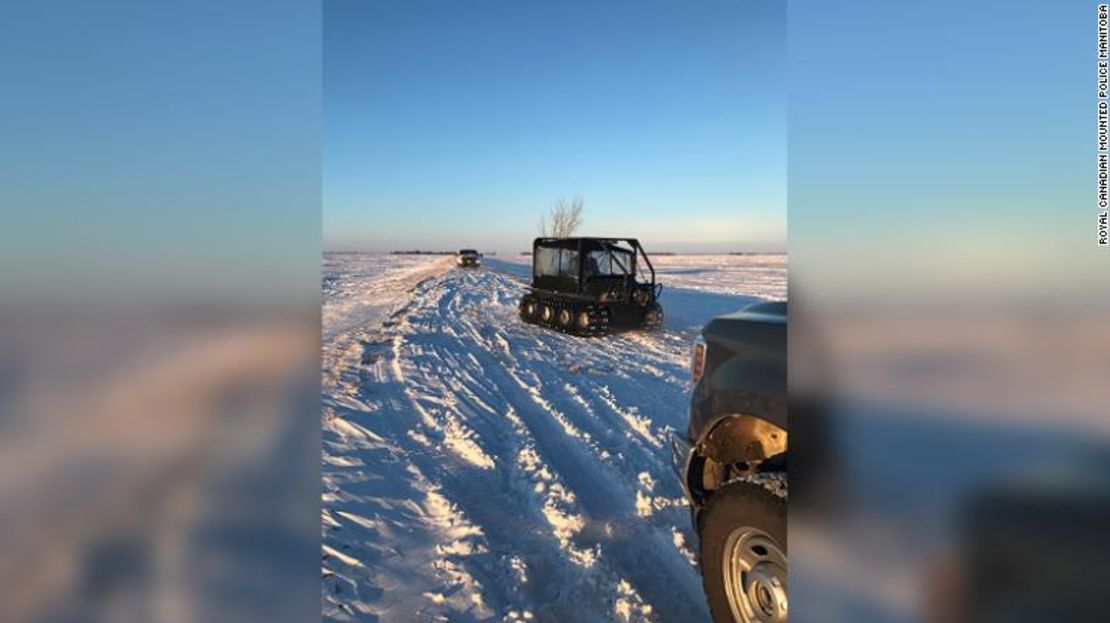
<point>477,468</point>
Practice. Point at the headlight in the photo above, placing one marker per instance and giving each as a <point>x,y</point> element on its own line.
<point>697,361</point>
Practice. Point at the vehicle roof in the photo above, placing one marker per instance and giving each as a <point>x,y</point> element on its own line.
<point>596,238</point>
<point>767,311</point>
<point>468,251</point>
<point>573,243</point>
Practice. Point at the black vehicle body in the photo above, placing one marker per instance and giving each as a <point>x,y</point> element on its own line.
<point>732,462</point>
<point>587,286</point>
<point>468,258</point>
<point>738,409</point>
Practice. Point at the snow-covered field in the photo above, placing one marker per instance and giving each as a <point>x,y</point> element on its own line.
<point>480,469</point>
<point>743,275</point>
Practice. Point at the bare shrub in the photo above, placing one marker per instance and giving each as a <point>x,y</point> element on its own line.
<point>562,220</point>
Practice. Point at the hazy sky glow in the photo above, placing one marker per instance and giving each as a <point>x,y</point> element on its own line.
<point>456,124</point>
<point>943,144</point>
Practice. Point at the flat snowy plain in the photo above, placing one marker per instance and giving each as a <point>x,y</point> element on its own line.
<point>479,469</point>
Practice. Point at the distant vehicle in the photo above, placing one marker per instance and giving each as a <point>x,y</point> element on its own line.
<point>468,258</point>
<point>733,463</point>
<point>588,286</point>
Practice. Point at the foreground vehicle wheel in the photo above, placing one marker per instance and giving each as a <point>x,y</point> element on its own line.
<point>742,545</point>
<point>547,313</point>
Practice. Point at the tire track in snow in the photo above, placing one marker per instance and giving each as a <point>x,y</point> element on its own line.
<point>531,484</point>
<point>481,469</point>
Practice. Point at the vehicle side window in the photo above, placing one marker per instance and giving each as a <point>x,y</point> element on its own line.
<point>568,264</point>
<point>599,263</point>
<point>604,263</point>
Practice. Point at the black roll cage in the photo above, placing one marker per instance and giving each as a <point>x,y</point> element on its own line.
<point>604,243</point>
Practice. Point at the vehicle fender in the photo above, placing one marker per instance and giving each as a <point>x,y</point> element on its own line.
<point>741,437</point>
<point>744,422</point>
<point>709,405</point>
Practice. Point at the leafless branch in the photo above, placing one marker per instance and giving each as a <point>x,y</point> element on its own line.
<point>563,219</point>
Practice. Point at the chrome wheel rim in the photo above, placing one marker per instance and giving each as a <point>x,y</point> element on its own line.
<point>564,317</point>
<point>547,313</point>
<point>754,573</point>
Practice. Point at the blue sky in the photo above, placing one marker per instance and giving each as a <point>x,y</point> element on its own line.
<point>943,145</point>
<point>160,147</point>
<point>451,124</point>
<point>944,141</point>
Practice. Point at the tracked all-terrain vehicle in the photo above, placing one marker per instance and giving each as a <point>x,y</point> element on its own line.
<point>589,286</point>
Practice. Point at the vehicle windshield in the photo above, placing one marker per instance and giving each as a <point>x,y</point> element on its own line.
<point>468,252</point>
<point>555,262</point>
